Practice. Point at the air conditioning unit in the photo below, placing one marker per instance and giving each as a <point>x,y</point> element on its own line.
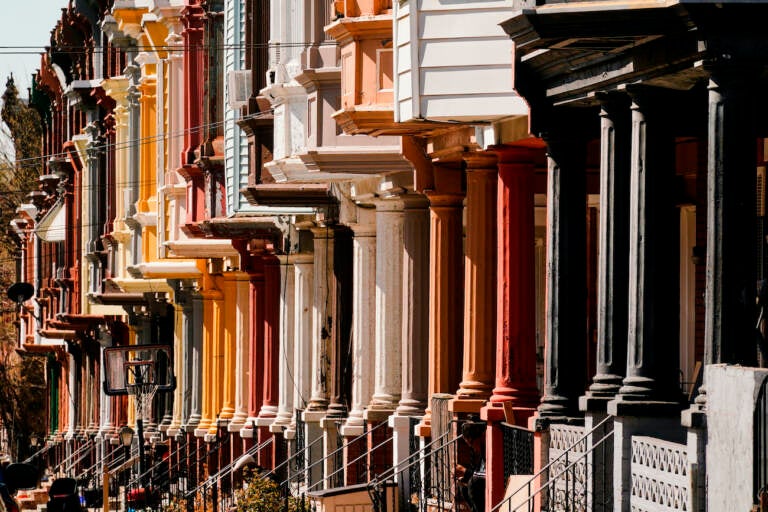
<point>239,88</point>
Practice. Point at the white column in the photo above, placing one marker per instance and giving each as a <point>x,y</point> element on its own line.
<point>415,331</point>
<point>415,324</point>
<point>321,349</point>
<point>390,219</point>
<point>242,352</point>
<point>72,397</point>
<point>321,311</point>
<point>363,324</point>
<point>303,282</point>
<point>285,352</point>
<point>105,402</point>
<point>178,366</point>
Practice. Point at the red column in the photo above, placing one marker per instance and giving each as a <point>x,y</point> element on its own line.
<point>256,343</point>
<point>516,308</point>
<point>516,295</point>
<point>271,326</point>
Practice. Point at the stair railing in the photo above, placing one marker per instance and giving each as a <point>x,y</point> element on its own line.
<point>432,453</point>
<point>340,450</point>
<point>568,465</point>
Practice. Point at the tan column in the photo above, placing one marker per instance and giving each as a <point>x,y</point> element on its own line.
<point>242,350</point>
<point>479,284</point>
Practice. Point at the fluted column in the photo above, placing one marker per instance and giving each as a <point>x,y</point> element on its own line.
<point>479,284</point>
<point>286,349</point>
<point>193,331</point>
<point>303,297</point>
<point>231,312</point>
<point>341,301</point>
<point>649,398</point>
<point>565,356</point>
<point>390,219</point>
<point>653,343</point>
<point>321,330</point>
<point>613,267</point>
<point>516,294</point>
<point>272,288</point>
<point>446,293</point>
<point>730,290</point>
<point>363,323</point>
<point>180,298</point>
<point>415,341</point>
<point>255,347</point>
<point>242,351</point>
<point>321,348</point>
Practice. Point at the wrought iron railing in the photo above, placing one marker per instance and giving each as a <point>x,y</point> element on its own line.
<point>435,491</point>
<point>338,473</point>
<point>42,451</point>
<point>68,466</point>
<point>517,444</point>
<point>564,486</point>
<point>211,494</point>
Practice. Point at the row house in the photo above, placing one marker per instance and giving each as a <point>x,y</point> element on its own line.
<point>364,228</point>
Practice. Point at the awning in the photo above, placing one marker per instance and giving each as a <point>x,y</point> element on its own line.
<point>52,227</point>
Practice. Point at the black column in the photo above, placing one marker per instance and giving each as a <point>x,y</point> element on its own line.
<point>729,330</point>
<point>612,285</point>
<point>653,337</point>
<point>565,371</point>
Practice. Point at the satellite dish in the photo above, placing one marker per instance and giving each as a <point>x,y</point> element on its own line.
<point>20,292</point>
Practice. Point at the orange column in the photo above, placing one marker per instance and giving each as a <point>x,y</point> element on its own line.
<point>479,284</point>
<point>446,297</point>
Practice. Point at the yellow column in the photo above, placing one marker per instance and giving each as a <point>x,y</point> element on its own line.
<point>147,202</point>
<point>217,342</point>
<point>231,280</point>
<point>211,320</point>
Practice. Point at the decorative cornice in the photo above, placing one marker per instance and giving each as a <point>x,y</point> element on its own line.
<point>202,248</point>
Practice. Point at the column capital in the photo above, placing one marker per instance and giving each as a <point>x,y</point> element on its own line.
<point>479,160</point>
<point>512,154</point>
<point>363,230</point>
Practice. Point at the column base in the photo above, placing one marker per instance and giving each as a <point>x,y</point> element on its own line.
<point>596,404</point>
<point>694,417</point>
<point>466,405</point>
<point>620,406</point>
<point>496,411</point>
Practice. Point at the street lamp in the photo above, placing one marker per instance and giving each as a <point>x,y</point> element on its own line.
<point>126,436</point>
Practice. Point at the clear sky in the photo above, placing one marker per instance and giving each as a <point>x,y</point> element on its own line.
<point>25,23</point>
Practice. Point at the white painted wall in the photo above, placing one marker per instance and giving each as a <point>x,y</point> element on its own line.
<point>453,61</point>
<point>731,395</point>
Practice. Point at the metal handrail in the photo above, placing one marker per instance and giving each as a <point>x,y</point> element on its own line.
<point>395,470</point>
<point>67,465</point>
<point>216,477</point>
<point>87,472</point>
<point>66,460</point>
<point>546,468</point>
<point>38,453</point>
<point>290,459</point>
<point>360,457</point>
